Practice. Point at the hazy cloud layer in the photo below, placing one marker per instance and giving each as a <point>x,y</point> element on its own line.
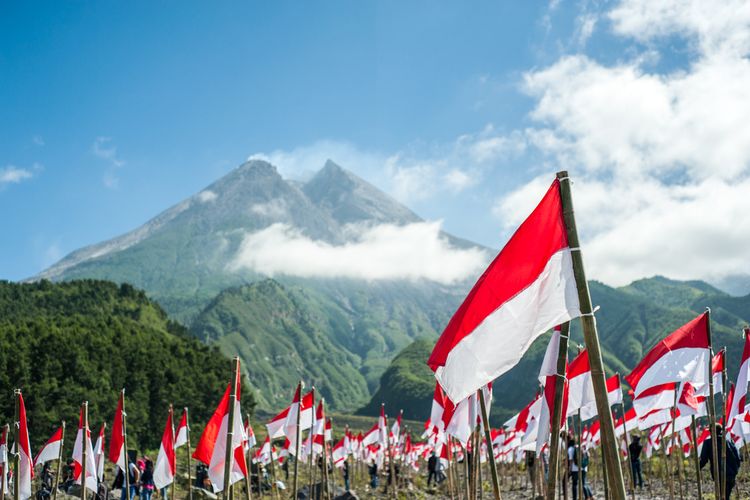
<point>383,252</point>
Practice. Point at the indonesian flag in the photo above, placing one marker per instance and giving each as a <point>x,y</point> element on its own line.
<point>702,436</point>
<point>99,457</point>
<point>740,388</point>
<point>250,441</point>
<point>91,482</point>
<point>329,433</point>
<point>682,356</point>
<point>117,437</point>
<point>382,428</point>
<point>4,459</point>
<point>438,406</point>
<point>278,425</point>
<point>658,397</point>
<point>164,469</point>
<point>580,387</point>
<point>628,424</point>
<point>396,428</point>
<point>717,368</point>
<point>25,463</point>
<point>51,449</point>
<point>614,390</point>
<point>263,455</point>
<point>212,445</point>
<point>528,289</point>
<point>690,402</point>
<point>319,429</point>
<point>372,436</point>
<point>548,376</point>
<point>181,436</point>
<point>339,453</point>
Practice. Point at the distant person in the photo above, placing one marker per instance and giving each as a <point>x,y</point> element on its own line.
<point>345,472</point>
<point>733,459</point>
<point>432,469</point>
<point>134,475</point>
<point>373,470</point>
<point>634,450</point>
<point>578,471</point>
<point>147,480</point>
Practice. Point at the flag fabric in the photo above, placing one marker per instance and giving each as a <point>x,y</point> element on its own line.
<point>614,390</point>
<point>117,437</point>
<point>4,460</point>
<point>654,398</point>
<point>276,428</point>
<point>740,388</point>
<point>682,356</point>
<point>382,429</point>
<point>83,438</point>
<point>690,402</point>
<point>51,449</point>
<point>339,453</point>
<point>250,441</point>
<point>303,406</point>
<point>25,463</point>
<point>438,406</point>
<point>99,456</point>
<point>318,431</point>
<point>580,387</point>
<point>396,428</point>
<point>164,469</point>
<point>211,448</point>
<point>548,377</point>
<point>372,436</point>
<point>717,368</point>
<point>528,289</point>
<point>181,435</point>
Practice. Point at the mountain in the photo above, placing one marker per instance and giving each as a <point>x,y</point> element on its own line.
<point>66,343</point>
<point>343,330</point>
<point>630,321</point>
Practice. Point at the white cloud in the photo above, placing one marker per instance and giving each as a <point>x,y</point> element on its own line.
<point>384,252</point>
<point>14,175</point>
<point>206,196</point>
<point>273,209</point>
<point>103,149</point>
<point>660,160</point>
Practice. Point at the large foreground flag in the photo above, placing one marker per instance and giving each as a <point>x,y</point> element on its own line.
<point>681,357</point>
<point>165,462</point>
<point>117,438</point>
<point>25,463</point>
<point>211,448</point>
<point>51,449</point>
<point>528,289</point>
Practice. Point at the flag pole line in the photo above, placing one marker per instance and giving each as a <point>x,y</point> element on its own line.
<point>84,447</point>
<point>723,449</point>
<point>189,466</point>
<point>554,442</point>
<point>491,451</point>
<point>712,412</point>
<point>694,430</point>
<point>59,464</point>
<point>310,437</point>
<point>579,455</point>
<point>228,456</point>
<point>126,473</point>
<point>4,466</point>
<point>591,338</point>
<point>174,479</point>
<point>296,439</point>
<point>627,448</point>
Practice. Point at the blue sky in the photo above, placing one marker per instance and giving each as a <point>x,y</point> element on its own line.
<point>114,111</point>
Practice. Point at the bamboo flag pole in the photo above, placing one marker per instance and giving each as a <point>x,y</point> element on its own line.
<point>579,455</point>
<point>466,473</point>
<point>4,466</point>
<point>248,466</point>
<point>673,442</point>
<point>59,465</point>
<point>712,412</point>
<point>189,466</point>
<point>228,457</point>
<point>327,490</point>
<point>693,429</point>
<point>723,449</point>
<point>554,439</point>
<point>488,437</point>
<point>310,438</point>
<point>591,338</point>
<point>17,454</point>
<point>275,487</point>
<point>84,447</point>
<point>627,452</point>
<point>174,479</point>
<point>296,441</point>
<point>125,446</point>
<point>333,476</point>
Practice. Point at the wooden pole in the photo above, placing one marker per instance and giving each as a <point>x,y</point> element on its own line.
<point>174,479</point>
<point>554,440</point>
<point>248,477</point>
<point>125,446</point>
<point>488,437</point>
<point>296,440</point>
<point>310,438</point>
<point>275,487</point>
<point>189,465</point>
<point>712,413</point>
<point>229,455</point>
<point>327,490</point>
<point>627,452</point>
<point>84,447</point>
<point>591,338</point>
<point>59,466</point>
<point>17,455</point>
<point>580,456</point>
<point>389,455</point>
<point>678,455</point>
<point>723,448</point>
<point>466,473</point>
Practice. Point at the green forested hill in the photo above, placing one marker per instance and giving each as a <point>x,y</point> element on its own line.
<point>339,338</point>
<point>66,343</point>
<point>630,321</point>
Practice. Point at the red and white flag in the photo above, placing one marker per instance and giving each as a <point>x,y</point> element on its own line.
<point>319,429</point>
<point>396,428</point>
<point>580,387</point>
<point>690,402</point>
<point>382,428</point>
<point>339,453</point>
<point>250,441</point>
<point>683,356</point>
<point>286,420</point>
<point>438,406</point>
<point>528,289</point>
<point>372,436</point>
<point>629,423</point>
<point>181,435</point>
<point>740,388</point>
<point>614,390</point>
<point>164,469</point>
<point>212,445</point>
<point>51,449</point>
<point>548,377</point>
<point>117,437</point>
<point>717,368</point>
<point>655,398</point>
<point>99,456</point>
<point>4,460</point>
<point>25,463</point>
<point>83,438</point>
